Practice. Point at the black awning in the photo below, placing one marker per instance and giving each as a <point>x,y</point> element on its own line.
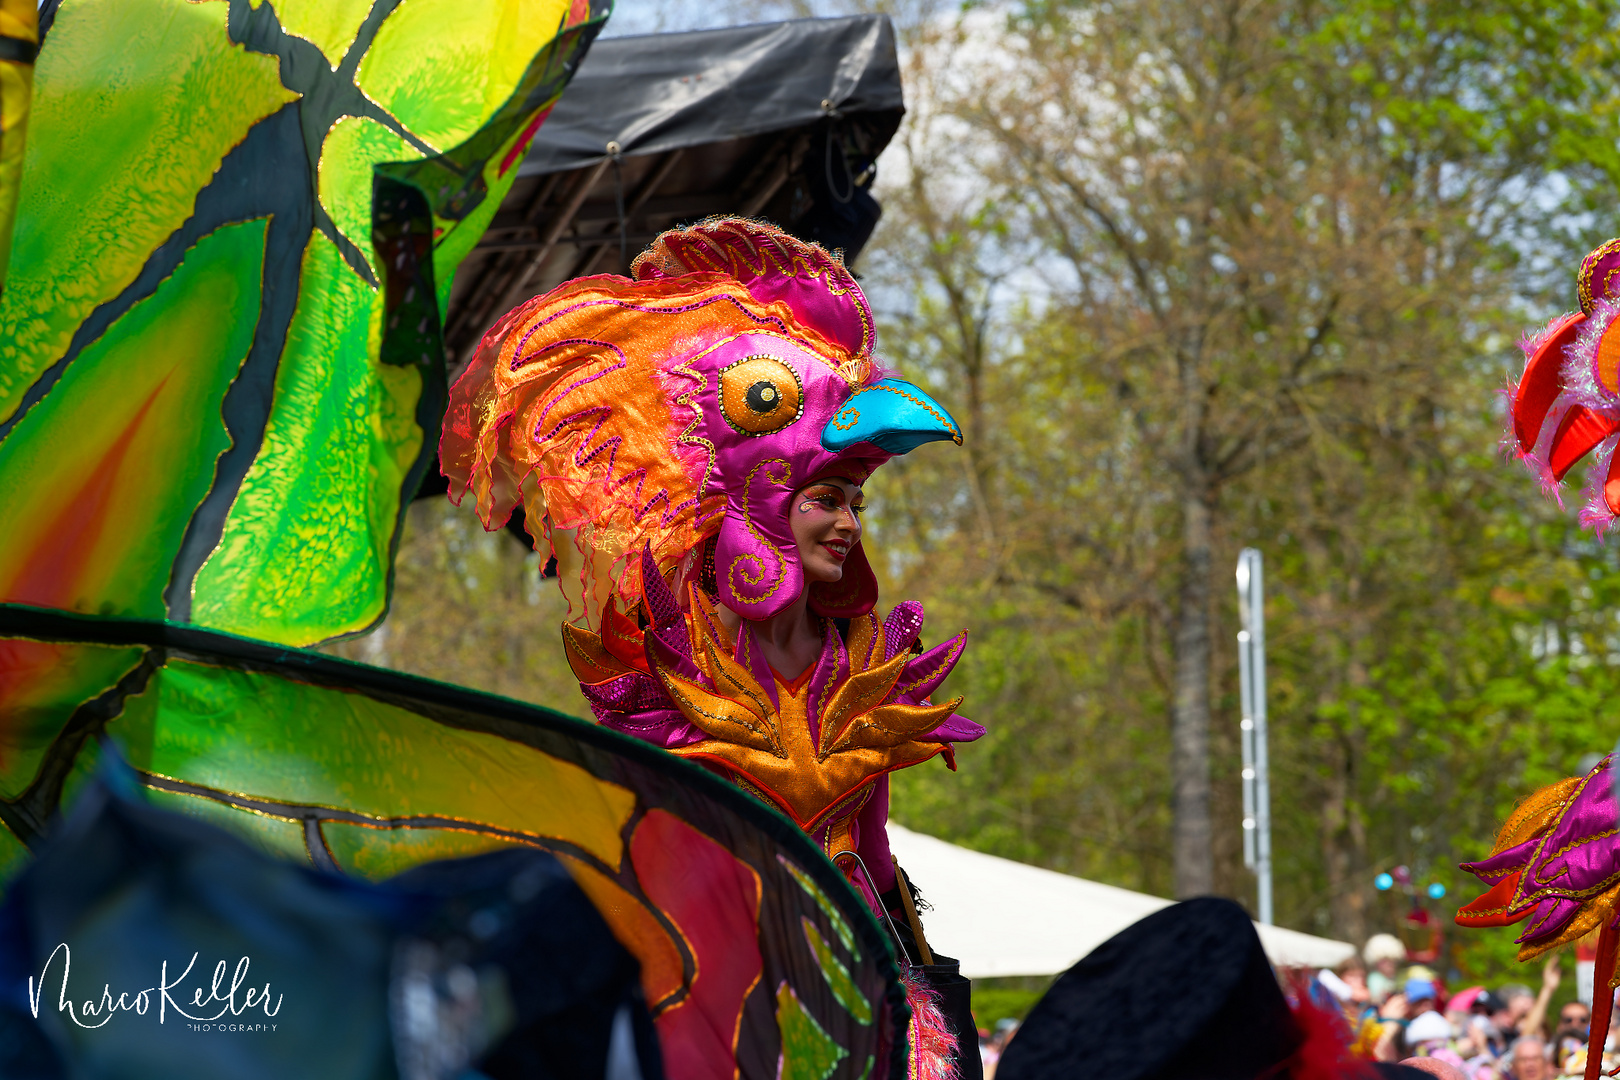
<point>654,93</point>
<point>780,121</point>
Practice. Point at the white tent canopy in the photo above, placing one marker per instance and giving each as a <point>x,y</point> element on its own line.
<point>1001,917</point>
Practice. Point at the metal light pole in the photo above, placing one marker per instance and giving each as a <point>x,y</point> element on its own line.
<point>1256,775</point>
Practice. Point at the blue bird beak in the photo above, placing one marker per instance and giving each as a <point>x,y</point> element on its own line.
<point>892,415</point>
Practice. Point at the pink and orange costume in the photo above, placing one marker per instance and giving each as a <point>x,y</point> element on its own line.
<point>1556,860</point>
<point>655,429</point>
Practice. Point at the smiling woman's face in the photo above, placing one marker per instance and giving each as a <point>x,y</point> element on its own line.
<point>826,520</point>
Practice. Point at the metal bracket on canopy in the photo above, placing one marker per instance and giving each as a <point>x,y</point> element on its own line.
<point>899,943</point>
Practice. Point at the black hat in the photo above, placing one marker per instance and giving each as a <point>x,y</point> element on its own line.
<point>1185,994</point>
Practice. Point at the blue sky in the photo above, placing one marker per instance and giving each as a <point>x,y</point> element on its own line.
<point>665,16</point>
<point>656,16</point>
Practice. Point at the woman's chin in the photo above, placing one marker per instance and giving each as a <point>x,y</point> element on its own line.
<point>824,570</point>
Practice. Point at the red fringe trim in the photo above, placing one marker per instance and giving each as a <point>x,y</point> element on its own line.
<point>1325,1052</point>
<point>933,1047</point>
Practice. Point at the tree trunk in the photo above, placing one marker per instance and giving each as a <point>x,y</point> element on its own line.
<point>1343,849</point>
<point>1194,872</point>
<point>1347,834</point>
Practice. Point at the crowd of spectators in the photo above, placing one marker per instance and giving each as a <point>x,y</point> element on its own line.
<point>1398,1011</point>
<point>992,1043</point>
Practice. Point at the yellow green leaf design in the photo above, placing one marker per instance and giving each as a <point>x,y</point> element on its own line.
<point>159,127</point>
<point>837,975</point>
<point>808,1052</point>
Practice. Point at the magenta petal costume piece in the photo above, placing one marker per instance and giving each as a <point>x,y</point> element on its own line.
<point>1555,863</point>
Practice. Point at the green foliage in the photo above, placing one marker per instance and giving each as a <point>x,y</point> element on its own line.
<point>1269,258</point>
<point>1508,80</point>
<point>1001,999</point>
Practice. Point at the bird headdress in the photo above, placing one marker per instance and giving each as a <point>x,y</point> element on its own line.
<point>686,402</point>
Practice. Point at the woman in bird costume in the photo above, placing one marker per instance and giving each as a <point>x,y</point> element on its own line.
<point>1556,861</point>
<point>689,443</point>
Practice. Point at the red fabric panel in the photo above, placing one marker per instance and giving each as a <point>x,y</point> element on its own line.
<point>1540,384</point>
<point>1492,909</point>
<point>1611,485</point>
<point>521,147</point>
<point>1602,999</point>
<point>713,900</point>
<point>1581,430</point>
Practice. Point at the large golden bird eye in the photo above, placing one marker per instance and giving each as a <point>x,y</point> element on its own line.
<point>760,394</point>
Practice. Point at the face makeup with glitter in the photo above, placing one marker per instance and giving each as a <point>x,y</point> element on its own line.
<point>826,525</point>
